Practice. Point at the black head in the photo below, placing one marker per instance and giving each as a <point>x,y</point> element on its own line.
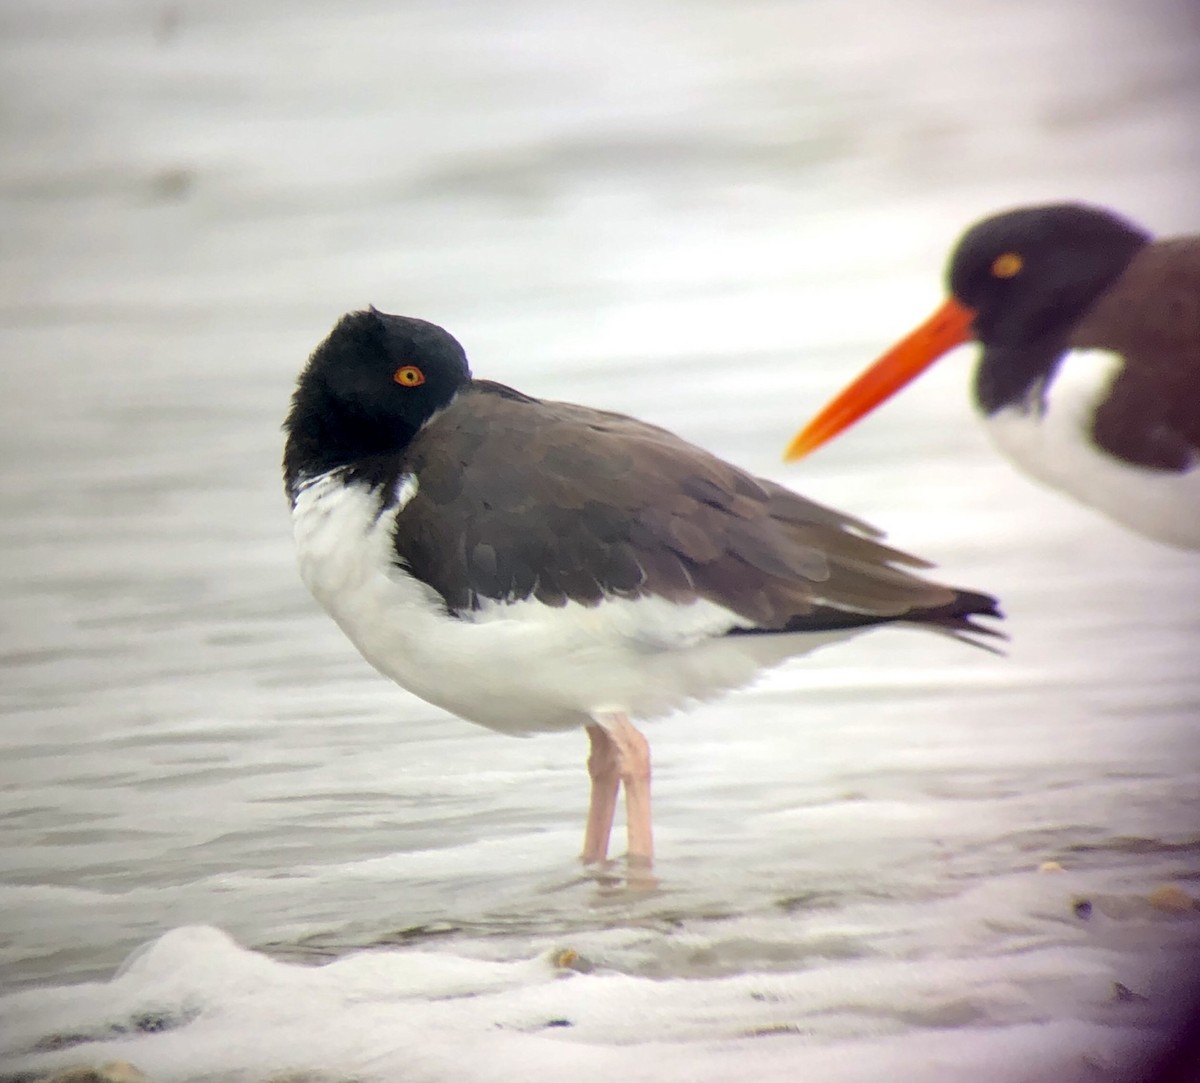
<point>367,389</point>
<point>1028,274</point>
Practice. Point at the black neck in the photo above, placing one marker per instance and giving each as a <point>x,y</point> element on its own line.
<point>323,436</point>
<point>1009,376</point>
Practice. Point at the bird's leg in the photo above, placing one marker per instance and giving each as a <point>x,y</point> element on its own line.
<point>620,754</point>
<point>633,767</point>
<point>603,767</point>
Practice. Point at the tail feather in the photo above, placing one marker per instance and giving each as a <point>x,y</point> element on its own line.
<point>956,618</point>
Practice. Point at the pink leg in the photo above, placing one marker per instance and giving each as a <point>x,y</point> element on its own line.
<point>602,766</point>
<point>633,766</point>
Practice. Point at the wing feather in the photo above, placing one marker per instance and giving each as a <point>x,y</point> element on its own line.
<point>520,497</point>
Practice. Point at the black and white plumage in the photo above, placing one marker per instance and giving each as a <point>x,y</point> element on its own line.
<point>532,565</point>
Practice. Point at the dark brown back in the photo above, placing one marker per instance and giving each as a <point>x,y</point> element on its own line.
<point>525,498</point>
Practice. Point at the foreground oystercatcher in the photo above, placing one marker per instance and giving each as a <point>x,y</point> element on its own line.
<point>1089,377</point>
<point>533,565</point>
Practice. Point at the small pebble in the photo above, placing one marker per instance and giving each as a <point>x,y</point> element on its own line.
<point>117,1071</point>
<point>1083,909</point>
<point>570,959</point>
<point>1124,993</point>
<point>1171,899</point>
<point>1050,866</point>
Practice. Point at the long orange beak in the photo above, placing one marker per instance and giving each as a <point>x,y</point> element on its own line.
<point>948,327</point>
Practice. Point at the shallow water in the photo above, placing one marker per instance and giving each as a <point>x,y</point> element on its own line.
<point>707,215</point>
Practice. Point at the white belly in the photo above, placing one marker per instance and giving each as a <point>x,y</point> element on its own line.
<point>1055,447</point>
<point>521,666</point>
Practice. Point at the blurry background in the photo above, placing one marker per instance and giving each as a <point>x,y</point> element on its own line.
<point>703,213</point>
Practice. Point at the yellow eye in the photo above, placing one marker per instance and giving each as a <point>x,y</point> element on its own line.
<point>1007,265</point>
<point>408,376</point>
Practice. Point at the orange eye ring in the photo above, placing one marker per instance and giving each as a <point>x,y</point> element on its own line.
<point>409,376</point>
<point>1007,266</point>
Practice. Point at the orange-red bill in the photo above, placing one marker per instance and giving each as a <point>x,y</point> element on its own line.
<point>948,327</point>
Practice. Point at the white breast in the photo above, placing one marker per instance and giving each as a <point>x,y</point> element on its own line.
<point>1055,447</point>
<point>521,666</point>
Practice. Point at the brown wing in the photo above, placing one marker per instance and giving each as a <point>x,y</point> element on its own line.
<point>524,498</point>
<point>1151,317</point>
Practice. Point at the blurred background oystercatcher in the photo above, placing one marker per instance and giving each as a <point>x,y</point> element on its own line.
<point>1089,376</point>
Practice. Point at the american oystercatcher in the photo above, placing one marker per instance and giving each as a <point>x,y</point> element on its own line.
<point>1089,377</point>
<point>533,565</point>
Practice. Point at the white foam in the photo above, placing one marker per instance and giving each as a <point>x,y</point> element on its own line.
<point>193,1005</point>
